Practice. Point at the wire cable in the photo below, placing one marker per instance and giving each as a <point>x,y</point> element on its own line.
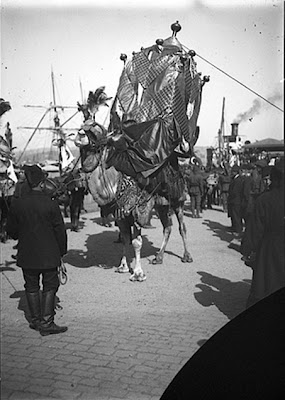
<point>242,84</point>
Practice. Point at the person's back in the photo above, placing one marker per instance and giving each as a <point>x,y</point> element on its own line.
<point>40,230</point>
<point>265,238</point>
<point>224,181</point>
<point>195,190</point>
<point>35,220</point>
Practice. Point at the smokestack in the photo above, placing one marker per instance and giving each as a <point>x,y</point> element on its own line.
<point>234,129</point>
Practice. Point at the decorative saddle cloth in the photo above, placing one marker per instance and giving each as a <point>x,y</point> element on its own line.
<point>132,200</point>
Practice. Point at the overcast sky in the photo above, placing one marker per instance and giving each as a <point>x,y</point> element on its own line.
<point>82,42</point>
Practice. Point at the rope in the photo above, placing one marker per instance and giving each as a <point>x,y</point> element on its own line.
<point>242,84</point>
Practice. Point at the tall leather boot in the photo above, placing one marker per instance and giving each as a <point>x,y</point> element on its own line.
<point>34,304</point>
<point>48,327</point>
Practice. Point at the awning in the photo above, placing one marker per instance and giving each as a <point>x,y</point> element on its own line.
<point>266,145</point>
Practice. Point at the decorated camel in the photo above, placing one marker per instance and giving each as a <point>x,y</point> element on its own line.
<point>133,165</point>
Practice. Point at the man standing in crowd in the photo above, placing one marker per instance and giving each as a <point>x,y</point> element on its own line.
<point>234,201</point>
<point>265,233</point>
<point>224,184</point>
<point>36,222</point>
<point>195,189</point>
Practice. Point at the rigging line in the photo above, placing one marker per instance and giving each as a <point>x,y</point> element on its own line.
<point>236,80</point>
<point>72,116</point>
<point>32,135</point>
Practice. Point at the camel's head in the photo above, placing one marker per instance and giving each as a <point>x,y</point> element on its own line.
<point>91,133</point>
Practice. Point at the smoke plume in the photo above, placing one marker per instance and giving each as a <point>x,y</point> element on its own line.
<point>257,105</point>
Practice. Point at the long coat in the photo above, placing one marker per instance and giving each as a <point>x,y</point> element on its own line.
<point>36,221</point>
<point>266,237</point>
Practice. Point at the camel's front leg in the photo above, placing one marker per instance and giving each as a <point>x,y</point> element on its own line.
<point>125,237</point>
<point>138,274</point>
<point>183,232</point>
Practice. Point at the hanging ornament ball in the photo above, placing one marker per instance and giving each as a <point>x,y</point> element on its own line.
<point>159,42</point>
<point>206,78</point>
<point>176,27</point>
<point>123,57</point>
<point>192,53</point>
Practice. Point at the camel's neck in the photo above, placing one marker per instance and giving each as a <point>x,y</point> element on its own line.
<point>102,184</point>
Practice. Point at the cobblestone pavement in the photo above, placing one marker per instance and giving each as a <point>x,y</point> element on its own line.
<point>125,340</point>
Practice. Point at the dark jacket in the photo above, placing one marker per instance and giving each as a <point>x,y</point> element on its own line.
<point>236,190</point>
<point>224,182</point>
<point>195,183</point>
<point>36,221</point>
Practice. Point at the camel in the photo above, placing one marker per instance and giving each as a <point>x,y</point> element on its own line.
<point>103,183</point>
<point>133,166</point>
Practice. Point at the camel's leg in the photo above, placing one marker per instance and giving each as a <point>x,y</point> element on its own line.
<point>165,218</point>
<point>183,232</point>
<point>125,233</point>
<point>138,274</point>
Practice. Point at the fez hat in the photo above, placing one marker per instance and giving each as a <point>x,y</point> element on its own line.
<point>34,174</point>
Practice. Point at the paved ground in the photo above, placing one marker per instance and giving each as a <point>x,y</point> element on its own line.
<point>125,340</point>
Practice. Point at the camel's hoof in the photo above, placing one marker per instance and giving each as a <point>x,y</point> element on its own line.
<point>157,261</point>
<point>138,278</point>
<point>122,270</point>
<point>187,259</point>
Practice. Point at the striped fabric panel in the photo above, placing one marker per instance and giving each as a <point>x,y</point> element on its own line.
<point>179,112</point>
<point>156,67</point>
<point>195,88</point>
<point>154,107</point>
<point>125,92</point>
<point>141,67</point>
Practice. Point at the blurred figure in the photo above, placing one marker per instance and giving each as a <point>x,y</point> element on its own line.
<point>195,189</point>
<point>266,238</point>
<point>234,201</point>
<point>212,187</point>
<point>224,184</point>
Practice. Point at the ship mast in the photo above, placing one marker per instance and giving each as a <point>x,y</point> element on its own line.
<point>58,131</point>
<point>57,128</point>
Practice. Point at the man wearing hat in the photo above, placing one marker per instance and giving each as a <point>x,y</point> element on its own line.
<point>35,220</point>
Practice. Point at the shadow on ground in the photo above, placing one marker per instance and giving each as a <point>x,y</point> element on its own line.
<point>229,297</point>
<point>101,251</point>
<point>23,305</point>
<point>221,231</point>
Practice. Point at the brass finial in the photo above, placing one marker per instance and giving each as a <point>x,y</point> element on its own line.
<point>123,57</point>
<point>175,27</point>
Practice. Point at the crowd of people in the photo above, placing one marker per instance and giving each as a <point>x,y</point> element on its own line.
<point>252,195</point>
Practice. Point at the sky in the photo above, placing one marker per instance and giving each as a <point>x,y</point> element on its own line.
<point>239,44</point>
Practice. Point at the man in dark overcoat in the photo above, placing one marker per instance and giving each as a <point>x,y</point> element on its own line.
<point>235,200</point>
<point>35,220</point>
